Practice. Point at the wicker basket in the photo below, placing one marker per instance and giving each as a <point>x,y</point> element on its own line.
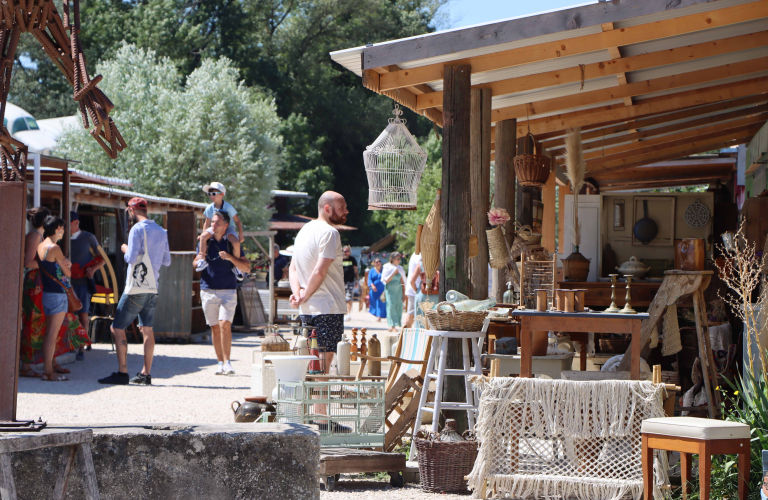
<point>497,248</point>
<point>532,169</point>
<point>614,346</point>
<point>454,321</point>
<point>444,464</point>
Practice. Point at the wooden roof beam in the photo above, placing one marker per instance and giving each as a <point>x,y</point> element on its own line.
<point>653,174</point>
<point>692,181</point>
<point>672,102</point>
<point>677,151</point>
<point>645,134</point>
<point>632,89</point>
<point>622,150</point>
<point>581,45</point>
<point>404,97</point>
<point>617,66</point>
<point>683,139</point>
<point>592,132</point>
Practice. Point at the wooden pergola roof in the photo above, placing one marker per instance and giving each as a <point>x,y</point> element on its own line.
<point>648,81</point>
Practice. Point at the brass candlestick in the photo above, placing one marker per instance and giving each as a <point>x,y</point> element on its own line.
<point>628,308</point>
<point>613,308</point>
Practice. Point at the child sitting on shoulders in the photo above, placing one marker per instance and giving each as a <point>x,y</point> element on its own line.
<point>216,192</point>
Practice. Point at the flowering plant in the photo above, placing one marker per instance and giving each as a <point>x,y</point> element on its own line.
<point>498,216</point>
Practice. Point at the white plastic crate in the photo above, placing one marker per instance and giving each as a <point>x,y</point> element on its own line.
<point>353,416</point>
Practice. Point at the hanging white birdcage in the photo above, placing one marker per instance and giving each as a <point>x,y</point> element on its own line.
<point>394,164</point>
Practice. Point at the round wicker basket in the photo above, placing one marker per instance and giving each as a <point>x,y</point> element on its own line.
<point>454,321</point>
<point>532,169</point>
<point>444,464</point>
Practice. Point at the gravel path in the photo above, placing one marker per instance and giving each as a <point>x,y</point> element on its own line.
<point>184,389</point>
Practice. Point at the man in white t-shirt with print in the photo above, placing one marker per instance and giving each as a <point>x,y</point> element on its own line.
<point>317,274</point>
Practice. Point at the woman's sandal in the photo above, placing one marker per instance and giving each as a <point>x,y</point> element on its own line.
<point>59,369</point>
<point>53,377</point>
<point>29,373</point>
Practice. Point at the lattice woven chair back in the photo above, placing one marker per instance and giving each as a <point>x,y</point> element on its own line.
<point>394,164</point>
<point>537,272</point>
<point>564,439</point>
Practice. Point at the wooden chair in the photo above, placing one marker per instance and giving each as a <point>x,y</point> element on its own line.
<point>537,273</point>
<point>406,380</point>
<point>107,295</point>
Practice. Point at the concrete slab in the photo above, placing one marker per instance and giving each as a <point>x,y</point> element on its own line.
<point>185,461</point>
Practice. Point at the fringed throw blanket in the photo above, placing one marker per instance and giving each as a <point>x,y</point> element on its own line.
<point>564,439</point>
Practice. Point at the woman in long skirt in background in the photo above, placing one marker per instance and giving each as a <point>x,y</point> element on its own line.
<point>377,307</point>
<point>393,276</point>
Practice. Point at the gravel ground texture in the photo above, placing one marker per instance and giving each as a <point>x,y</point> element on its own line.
<point>184,390</point>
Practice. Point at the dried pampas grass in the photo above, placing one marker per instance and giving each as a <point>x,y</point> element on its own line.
<point>575,168</point>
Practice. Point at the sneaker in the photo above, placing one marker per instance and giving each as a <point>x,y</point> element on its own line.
<point>347,317</point>
<point>219,369</point>
<point>80,356</point>
<point>201,264</point>
<point>238,274</point>
<point>228,369</point>
<point>141,379</point>
<point>117,378</point>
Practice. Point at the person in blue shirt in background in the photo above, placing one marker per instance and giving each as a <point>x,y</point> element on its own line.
<point>142,305</point>
<point>281,264</point>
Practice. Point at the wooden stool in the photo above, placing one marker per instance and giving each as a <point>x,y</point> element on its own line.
<point>691,436</point>
<point>77,443</point>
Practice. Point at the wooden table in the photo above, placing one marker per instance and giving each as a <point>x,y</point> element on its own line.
<point>555,321</point>
<point>499,330</point>
<point>599,293</point>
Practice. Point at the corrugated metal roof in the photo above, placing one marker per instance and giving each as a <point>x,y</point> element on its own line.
<point>131,194</point>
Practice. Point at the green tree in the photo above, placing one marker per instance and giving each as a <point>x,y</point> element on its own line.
<point>183,133</point>
<point>403,223</point>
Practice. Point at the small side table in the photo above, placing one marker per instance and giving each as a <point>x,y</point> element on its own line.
<point>76,444</point>
<point>696,436</point>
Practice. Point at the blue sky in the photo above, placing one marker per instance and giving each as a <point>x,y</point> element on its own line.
<point>468,12</point>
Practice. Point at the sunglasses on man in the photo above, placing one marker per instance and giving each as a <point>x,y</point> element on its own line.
<point>213,193</point>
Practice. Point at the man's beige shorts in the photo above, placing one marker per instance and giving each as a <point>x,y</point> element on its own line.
<point>218,305</point>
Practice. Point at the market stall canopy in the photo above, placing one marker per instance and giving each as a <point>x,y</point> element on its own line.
<point>648,81</point>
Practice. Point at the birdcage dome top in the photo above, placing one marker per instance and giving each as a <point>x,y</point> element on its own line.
<point>394,164</point>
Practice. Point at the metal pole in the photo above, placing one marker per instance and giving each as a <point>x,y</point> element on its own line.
<point>36,181</point>
<point>272,302</point>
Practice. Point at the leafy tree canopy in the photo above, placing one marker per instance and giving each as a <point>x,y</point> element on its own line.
<point>185,132</point>
<point>280,47</point>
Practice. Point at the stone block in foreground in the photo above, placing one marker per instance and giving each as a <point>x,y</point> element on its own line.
<point>185,461</point>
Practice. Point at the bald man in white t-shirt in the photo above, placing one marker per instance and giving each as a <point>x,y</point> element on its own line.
<point>317,274</point>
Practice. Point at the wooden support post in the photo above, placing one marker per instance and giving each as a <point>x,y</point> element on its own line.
<point>504,188</point>
<point>65,209</point>
<point>561,216</point>
<point>548,197</point>
<point>480,180</point>
<point>13,200</point>
<point>454,231</point>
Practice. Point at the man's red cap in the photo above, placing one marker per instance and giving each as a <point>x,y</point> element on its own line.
<point>139,203</point>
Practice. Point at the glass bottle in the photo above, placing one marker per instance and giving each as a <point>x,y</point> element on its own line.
<point>449,432</point>
<point>470,305</point>
<point>509,295</point>
<point>454,296</point>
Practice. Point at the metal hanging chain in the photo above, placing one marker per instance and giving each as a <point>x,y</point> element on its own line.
<point>397,111</point>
